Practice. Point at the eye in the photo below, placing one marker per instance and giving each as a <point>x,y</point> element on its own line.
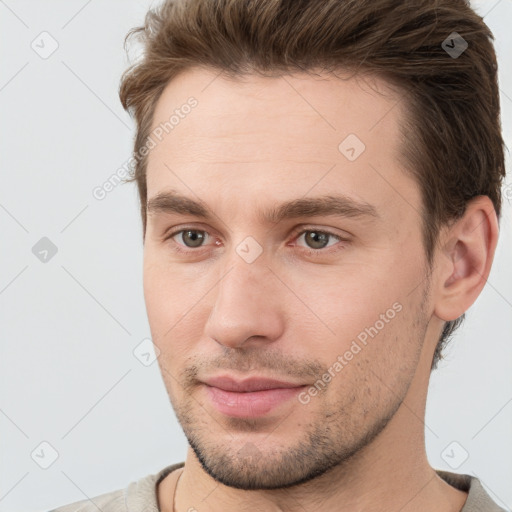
<point>317,239</point>
<point>191,238</point>
<point>318,242</point>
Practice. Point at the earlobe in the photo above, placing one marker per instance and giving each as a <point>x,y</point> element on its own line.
<point>465,261</point>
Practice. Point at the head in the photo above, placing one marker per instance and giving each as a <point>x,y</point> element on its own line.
<point>335,173</point>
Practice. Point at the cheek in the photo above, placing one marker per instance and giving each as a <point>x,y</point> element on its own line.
<point>167,285</point>
<point>162,297</point>
<point>372,370</point>
<point>173,302</point>
<point>353,308</point>
<point>344,301</point>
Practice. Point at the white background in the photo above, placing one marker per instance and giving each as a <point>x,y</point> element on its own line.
<point>69,326</point>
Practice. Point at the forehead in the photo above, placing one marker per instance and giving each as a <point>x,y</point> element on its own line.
<point>233,107</point>
<point>283,135</point>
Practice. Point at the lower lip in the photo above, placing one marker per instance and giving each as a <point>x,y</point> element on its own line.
<point>251,404</point>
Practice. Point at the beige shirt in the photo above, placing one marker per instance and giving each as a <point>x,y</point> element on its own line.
<point>141,496</point>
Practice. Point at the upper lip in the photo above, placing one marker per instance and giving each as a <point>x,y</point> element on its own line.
<point>250,384</point>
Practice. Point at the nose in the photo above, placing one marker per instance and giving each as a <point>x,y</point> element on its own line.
<point>247,310</point>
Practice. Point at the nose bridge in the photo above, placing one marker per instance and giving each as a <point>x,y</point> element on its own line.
<point>246,304</point>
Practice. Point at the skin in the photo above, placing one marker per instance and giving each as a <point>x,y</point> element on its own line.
<point>249,145</point>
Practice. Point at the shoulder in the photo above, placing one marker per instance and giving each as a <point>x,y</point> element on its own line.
<point>478,499</point>
<point>108,502</point>
<point>138,495</point>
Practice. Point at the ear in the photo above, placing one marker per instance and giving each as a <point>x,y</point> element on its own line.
<point>464,259</point>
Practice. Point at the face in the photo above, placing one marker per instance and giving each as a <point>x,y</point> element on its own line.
<point>300,261</point>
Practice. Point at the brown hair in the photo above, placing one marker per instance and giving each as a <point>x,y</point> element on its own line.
<point>452,141</point>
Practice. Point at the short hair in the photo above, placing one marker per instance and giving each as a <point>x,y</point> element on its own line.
<point>451,132</point>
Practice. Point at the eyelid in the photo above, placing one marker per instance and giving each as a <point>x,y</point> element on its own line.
<point>304,228</point>
<point>169,233</point>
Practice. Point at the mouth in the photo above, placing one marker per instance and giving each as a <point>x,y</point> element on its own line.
<point>249,398</point>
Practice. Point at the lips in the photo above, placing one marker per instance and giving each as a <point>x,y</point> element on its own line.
<point>248,385</point>
<point>251,397</point>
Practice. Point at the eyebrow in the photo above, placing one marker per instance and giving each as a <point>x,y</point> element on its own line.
<point>327,205</point>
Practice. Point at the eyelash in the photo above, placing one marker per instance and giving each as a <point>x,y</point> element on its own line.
<point>310,252</point>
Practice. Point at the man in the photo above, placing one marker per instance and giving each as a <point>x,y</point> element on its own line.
<point>320,194</point>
